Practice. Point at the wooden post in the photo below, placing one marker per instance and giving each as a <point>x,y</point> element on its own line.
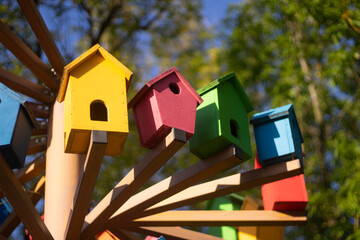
<point>62,175</point>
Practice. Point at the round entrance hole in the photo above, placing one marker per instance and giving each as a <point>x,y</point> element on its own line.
<point>174,88</point>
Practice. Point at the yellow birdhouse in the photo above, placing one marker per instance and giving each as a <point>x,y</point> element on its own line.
<point>93,89</point>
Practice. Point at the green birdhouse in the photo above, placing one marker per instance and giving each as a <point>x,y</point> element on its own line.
<point>222,119</point>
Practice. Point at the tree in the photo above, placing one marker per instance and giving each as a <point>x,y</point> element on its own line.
<point>305,52</point>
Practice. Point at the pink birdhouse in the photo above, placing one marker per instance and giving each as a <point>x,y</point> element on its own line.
<point>287,194</point>
<point>167,101</point>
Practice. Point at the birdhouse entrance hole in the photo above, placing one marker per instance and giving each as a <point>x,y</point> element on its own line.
<point>98,111</point>
<point>234,128</point>
<point>174,88</point>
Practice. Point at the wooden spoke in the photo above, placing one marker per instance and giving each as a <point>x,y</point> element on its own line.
<point>12,221</point>
<point>39,110</point>
<point>222,218</point>
<point>27,57</point>
<point>42,33</point>
<point>21,203</point>
<point>41,130</point>
<point>37,145</point>
<point>226,185</point>
<point>177,233</point>
<point>31,170</point>
<point>147,167</point>
<point>178,182</point>
<point>25,87</point>
<point>86,185</point>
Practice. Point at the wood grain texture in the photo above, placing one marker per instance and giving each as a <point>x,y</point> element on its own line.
<point>24,86</point>
<point>42,33</point>
<point>37,145</point>
<point>137,176</point>
<point>173,233</point>
<point>12,221</point>
<point>226,185</point>
<point>86,184</point>
<point>176,183</point>
<point>27,57</point>
<point>21,203</point>
<point>222,218</point>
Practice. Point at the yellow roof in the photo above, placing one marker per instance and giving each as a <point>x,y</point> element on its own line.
<point>96,49</point>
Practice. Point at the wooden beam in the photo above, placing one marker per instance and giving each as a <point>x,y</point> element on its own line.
<point>42,33</point>
<point>27,57</point>
<point>41,130</point>
<point>179,181</point>
<point>123,235</point>
<point>12,221</point>
<point>24,86</point>
<point>222,218</point>
<point>86,185</point>
<point>37,145</point>
<point>31,170</point>
<point>21,203</point>
<point>144,170</point>
<point>39,110</point>
<point>173,233</point>
<point>226,185</point>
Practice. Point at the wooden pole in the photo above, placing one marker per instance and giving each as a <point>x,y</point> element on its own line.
<point>62,175</point>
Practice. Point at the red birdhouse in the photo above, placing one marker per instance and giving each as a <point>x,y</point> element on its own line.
<point>167,101</point>
<point>287,194</point>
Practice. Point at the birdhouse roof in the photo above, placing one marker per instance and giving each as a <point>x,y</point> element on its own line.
<point>235,81</point>
<point>4,89</point>
<point>276,113</point>
<point>96,49</point>
<point>149,84</point>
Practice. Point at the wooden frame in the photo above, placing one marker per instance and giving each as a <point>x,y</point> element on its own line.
<point>149,165</point>
<point>222,218</point>
<point>36,145</point>
<point>39,110</point>
<point>31,170</point>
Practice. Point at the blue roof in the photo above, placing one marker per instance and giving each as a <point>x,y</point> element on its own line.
<point>12,94</point>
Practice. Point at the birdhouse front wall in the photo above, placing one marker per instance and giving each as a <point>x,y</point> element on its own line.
<point>95,99</point>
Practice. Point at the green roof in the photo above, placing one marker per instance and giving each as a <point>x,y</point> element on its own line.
<point>235,81</point>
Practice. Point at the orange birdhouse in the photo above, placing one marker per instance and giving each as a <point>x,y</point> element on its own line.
<point>93,89</point>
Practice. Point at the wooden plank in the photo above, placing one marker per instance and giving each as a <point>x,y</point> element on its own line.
<point>37,145</point>
<point>27,57</point>
<point>146,168</point>
<point>24,86</point>
<point>42,33</point>
<point>21,203</point>
<point>201,170</point>
<point>12,221</point>
<point>222,218</point>
<point>226,185</point>
<point>86,185</point>
<point>173,233</point>
<point>39,110</point>
<point>31,170</point>
<point>41,130</point>
<point>123,235</point>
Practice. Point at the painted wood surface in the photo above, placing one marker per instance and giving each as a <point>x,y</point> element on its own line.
<point>136,178</point>
<point>167,101</point>
<point>221,218</point>
<point>94,91</point>
<point>27,57</point>
<point>277,134</point>
<point>16,127</point>
<point>136,205</point>
<point>286,194</point>
<point>221,120</point>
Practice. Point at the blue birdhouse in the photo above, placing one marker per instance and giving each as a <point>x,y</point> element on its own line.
<point>277,134</point>
<point>5,210</point>
<point>16,124</point>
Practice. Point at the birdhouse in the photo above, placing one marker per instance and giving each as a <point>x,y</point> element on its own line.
<point>167,101</point>
<point>277,134</point>
<point>225,203</point>
<point>16,126</point>
<point>93,89</point>
<point>5,210</point>
<point>221,120</point>
<point>284,195</point>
